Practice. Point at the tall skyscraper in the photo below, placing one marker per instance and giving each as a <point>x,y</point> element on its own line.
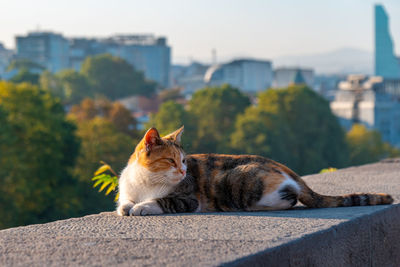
<point>386,63</point>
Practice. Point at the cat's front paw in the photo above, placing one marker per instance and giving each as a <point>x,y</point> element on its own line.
<point>123,209</point>
<point>145,208</point>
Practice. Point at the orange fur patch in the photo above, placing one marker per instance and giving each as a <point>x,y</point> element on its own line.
<point>159,157</point>
<point>271,181</point>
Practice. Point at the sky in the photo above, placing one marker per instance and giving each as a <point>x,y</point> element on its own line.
<point>263,29</point>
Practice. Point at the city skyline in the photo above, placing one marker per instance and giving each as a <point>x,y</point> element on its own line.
<point>258,29</point>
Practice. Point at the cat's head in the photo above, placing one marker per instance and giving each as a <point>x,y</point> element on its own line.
<point>163,156</point>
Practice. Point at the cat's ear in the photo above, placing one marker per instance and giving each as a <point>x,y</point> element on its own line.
<point>152,138</point>
<point>176,136</point>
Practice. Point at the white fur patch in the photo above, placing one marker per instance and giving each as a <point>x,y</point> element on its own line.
<point>146,208</point>
<point>136,184</point>
<point>289,181</point>
<point>274,200</point>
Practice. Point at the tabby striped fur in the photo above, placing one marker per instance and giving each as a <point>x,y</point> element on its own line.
<point>215,182</point>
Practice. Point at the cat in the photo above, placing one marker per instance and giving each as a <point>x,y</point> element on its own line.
<point>160,178</point>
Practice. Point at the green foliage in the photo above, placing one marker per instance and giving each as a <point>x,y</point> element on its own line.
<point>114,112</point>
<point>102,75</point>
<point>38,149</point>
<point>70,86</point>
<point>213,112</point>
<point>367,146</point>
<point>46,160</point>
<point>76,86</point>
<point>27,64</point>
<point>24,75</point>
<point>262,133</point>
<point>170,95</point>
<point>7,142</point>
<point>209,120</point>
<point>50,83</point>
<point>115,78</point>
<point>294,126</point>
<point>103,179</point>
<point>39,153</point>
<point>170,117</point>
<point>100,140</point>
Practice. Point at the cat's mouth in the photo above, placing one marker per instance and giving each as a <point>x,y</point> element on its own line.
<point>177,179</point>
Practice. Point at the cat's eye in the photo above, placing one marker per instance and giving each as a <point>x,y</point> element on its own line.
<point>171,160</point>
<point>184,161</point>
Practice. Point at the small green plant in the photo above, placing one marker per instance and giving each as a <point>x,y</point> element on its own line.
<point>101,177</point>
<point>328,170</point>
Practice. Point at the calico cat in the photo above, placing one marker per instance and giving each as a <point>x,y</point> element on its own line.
<point>160,178</point>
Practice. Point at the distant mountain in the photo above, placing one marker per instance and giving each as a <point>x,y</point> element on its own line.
<point>341,61</point>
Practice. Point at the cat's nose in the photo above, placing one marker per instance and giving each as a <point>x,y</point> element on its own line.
<point>183,172</point>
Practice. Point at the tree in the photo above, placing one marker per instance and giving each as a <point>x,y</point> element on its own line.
<point>27,64</point>
<point>88,109</point>
<point>7,142</point>
<point>261,132</point>
<point>70,86</point>
<point>172,116</point>
<point>367,146</point>
<point>113,112</point>
<point>115,78</point>
<point>52,84</point>
<point>40,148</point>
<point>24,75</point>
<point>213,111</point>
<point>108,133</point>
<point>76,86</point>
<point>295,126</point>
<point>122,119</point>
<point>101,141</point>
<point>173,94</point>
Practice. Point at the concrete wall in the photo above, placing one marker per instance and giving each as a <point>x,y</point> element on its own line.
<point>372,240</point>
<point>354,236</point>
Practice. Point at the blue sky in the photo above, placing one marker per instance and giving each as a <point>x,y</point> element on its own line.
<point>256,28</point>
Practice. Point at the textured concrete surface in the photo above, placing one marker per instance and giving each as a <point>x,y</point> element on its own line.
<point>357,236</point>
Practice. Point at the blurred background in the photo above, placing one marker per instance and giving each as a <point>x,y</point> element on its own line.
<point>311,84</point>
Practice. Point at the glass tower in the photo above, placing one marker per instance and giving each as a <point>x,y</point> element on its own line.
<point>386,63</point>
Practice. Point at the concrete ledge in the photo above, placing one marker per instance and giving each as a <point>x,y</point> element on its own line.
<point>357,236</point>
<point>370,240</point>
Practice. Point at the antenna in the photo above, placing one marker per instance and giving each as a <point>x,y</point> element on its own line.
<point>214,56</point>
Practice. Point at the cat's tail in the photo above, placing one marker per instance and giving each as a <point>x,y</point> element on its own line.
<point>314,200</point>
